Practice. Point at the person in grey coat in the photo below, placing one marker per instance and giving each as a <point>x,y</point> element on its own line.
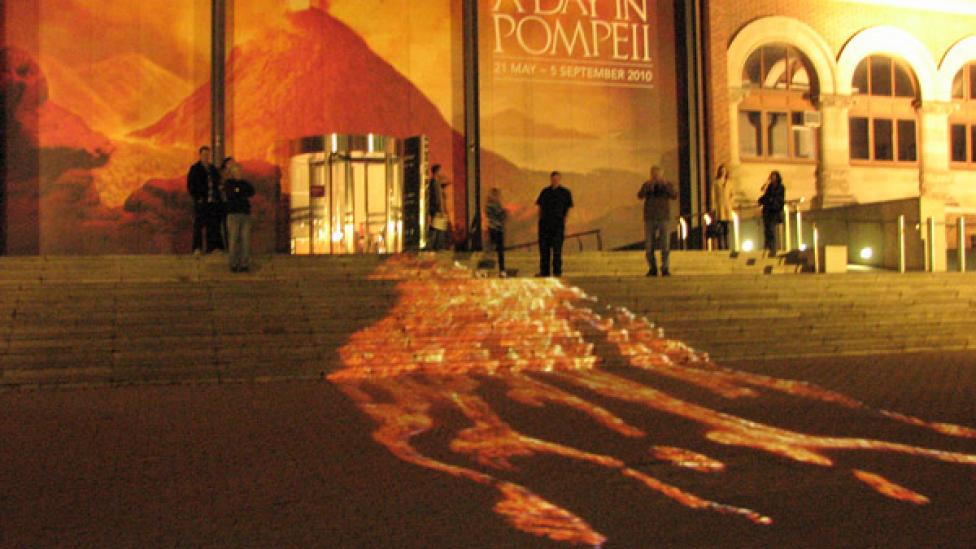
<point>657,194</point>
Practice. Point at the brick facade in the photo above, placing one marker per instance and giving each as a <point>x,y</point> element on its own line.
<point>835,21</point>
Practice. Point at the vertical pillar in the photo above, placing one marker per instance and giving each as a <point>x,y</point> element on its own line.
<point>833,185</point>
<point>935,175</point>
<point>901,243</point>
<point>736,97</point>
<point>472,124</point>
<point>961,243</point>
<point>691,50</point>
<point>218,25</point>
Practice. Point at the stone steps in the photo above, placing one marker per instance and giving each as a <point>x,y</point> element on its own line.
<point>759,317</point>
<point>179,319</point>
<point>683,263</point>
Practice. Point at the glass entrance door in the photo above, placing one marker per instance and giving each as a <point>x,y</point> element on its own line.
<point>348,199</point>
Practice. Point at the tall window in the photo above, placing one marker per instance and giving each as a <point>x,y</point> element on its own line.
<point>778,120</point>
<point>962,123</point>
<point>884,123</point>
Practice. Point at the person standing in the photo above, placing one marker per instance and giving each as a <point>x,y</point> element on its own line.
<point>203,184</point>
<point>238,207</point>
<point>722,207</point>
<point>437,216</point>
<point>554,203</point>
<point>772,201</point>
<point>497,215</point>
<point>657,194</point>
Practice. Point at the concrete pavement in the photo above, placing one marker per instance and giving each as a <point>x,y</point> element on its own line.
<point>293,464</point>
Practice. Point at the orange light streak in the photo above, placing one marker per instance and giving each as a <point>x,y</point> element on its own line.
<point>449,331</point>
<point>887,488</point>
<point>687,459</point>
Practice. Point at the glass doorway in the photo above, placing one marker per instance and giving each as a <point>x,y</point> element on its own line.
<point>347,196</point>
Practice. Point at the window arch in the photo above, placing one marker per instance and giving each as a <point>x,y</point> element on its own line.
<point>777,120</point>
<point>884,121</point>
<point>962,122</point>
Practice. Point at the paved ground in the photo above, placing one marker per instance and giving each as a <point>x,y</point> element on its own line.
<point>293,464</point>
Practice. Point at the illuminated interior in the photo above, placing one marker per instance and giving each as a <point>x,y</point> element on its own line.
<point>347,195</point>
<point>450,332</point>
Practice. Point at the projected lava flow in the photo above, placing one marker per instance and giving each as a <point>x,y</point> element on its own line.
<point>449,332</point>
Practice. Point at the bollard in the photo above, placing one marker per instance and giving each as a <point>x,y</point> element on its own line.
<point>799,229</point>
<point>786,228</point>
<point>736,235</point>
<point>961,240</point>
<point>816,249</point>
<point>931,244</point>
<point>901,243</point>
<point>706,242</point>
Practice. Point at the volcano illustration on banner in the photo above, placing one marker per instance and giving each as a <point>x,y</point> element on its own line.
<point>98,146</point>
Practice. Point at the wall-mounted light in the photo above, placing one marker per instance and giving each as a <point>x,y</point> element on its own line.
<point>866,254</point>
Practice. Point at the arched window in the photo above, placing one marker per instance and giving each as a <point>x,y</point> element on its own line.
<point>778,119</point>
<point>962,122</point>
<point>884,122</point>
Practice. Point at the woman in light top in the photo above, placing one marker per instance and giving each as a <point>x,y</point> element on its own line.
<point>721,207</point>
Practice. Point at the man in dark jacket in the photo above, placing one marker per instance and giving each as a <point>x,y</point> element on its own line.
<point>554,203</point>
<point>203,184</point>
<point>657,194</point>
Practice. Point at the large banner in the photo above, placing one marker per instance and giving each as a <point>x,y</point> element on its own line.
<point>585,87</point>
<point>80,78</point>
<point>106,104</point>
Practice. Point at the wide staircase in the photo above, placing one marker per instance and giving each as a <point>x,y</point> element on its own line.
<point>170,319</point>
<point>758,317</point>
<point>178,319</point>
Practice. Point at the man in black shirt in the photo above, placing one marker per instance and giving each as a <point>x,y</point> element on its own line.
<point>554,203</point>
<point>203,184</point>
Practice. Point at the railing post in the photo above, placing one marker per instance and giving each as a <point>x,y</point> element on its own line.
<point>786,228</point>
<point>706,242</point>
<point>816,249</point>
<point>931,244</point>
<point>961,242</point>
<point>736,235</point>
<point>901,243</point>
<point>799,229</point>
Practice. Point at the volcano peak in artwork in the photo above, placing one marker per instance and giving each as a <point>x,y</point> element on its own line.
<point>307,75</point>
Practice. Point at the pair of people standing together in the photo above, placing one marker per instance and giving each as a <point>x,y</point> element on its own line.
<point>221,209</point>
<point>772,201</point>
<point>658,193</point>
<point>554,203</point>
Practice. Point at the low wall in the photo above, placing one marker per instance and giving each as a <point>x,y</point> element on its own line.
<point>875,226</point>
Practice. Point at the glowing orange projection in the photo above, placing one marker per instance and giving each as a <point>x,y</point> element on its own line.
<point>450,330</point>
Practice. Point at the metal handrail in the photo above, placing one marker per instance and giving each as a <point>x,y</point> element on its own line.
<point>578,236</point>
